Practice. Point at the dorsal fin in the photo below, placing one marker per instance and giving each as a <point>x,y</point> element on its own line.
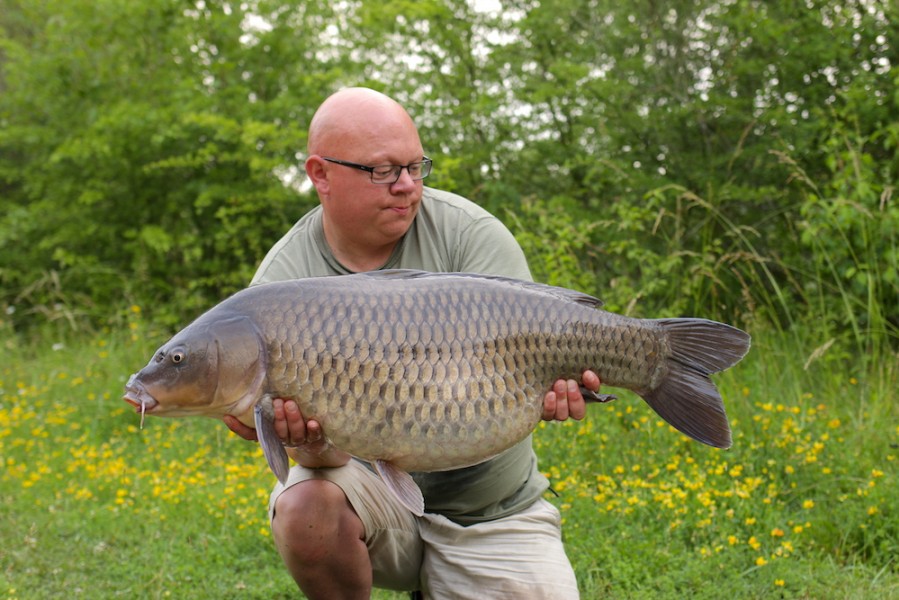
<point>541,288</point>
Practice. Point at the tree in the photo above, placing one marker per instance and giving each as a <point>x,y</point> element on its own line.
<point>145,150</point>
<point>687,156</point>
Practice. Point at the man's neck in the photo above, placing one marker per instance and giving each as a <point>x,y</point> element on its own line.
<point>356,256</point>
<point>368,262</point>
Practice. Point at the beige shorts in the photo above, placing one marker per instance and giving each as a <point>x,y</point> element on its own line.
<point>519,556</point>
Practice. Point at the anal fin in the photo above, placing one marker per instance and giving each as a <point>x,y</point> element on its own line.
<point>402,485</point>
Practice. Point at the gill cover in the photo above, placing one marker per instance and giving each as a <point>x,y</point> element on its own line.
<point>213,367</point>
<point>241,364</point>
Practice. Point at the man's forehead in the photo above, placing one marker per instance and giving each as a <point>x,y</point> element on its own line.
<point>363,120</point>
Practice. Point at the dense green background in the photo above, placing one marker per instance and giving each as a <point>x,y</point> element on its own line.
<point>734,159</point>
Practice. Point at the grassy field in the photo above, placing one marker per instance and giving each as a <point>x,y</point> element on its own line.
<point>803,506</point>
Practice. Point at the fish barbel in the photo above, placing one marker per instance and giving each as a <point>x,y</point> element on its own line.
<point>422,371</point>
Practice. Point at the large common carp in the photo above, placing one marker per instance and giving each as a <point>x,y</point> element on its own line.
<point>426,372</point>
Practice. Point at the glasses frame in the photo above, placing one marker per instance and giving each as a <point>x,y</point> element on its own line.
<point>425,162</point>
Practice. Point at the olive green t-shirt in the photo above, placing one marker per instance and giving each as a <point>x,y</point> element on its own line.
<point>449,234</point>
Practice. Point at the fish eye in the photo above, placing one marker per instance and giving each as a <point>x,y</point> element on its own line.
<point>177,356</point>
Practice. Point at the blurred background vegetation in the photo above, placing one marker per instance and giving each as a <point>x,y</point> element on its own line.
<point>734,159</point>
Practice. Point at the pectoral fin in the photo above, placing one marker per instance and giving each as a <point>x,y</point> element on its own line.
<point>272,448</point>
<point>403,487</point>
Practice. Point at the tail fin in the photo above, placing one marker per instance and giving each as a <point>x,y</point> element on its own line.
<point>687,398</point>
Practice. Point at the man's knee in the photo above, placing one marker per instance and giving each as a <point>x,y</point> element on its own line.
<point>308,497</point>
<point>313,516</point>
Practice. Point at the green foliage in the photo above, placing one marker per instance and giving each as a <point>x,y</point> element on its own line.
<point>849,229</point>
<point>664,128</point>
<point>735,160</point>
<point>802,506</point>
<point>137,166</point>
<point>562,261</point>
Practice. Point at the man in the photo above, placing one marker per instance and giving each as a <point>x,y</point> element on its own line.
<point>487,532</point>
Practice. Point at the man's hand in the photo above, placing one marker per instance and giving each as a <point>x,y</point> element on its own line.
<point>244,431</point>
<point>565,399</point>
<point>305,441</point>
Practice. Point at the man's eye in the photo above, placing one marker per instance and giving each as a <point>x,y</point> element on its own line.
<point>383,171</point>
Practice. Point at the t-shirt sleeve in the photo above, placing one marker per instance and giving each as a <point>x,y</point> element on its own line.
<point>487,246</point>
<point>297,255</point>
<point>276,266</point>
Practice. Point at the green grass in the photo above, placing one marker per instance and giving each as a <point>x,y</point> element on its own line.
<point>803,505</point>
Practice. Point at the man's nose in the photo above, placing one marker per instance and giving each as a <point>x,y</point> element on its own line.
<point>405,181</point>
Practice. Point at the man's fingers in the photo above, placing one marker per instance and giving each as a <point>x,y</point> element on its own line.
<point>289,424</point>
<point>590,380</point>
<point>549,406</point>
<point>247,433</point>
<point>577,408</point>
<point>555,402</point>
<point>561,389</point>
<point>279,418</point>
<point>566,398</point>
<point>313,432</point>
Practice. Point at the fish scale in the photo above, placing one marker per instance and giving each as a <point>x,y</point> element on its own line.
<point>426,372</point>
<point>437,353</point>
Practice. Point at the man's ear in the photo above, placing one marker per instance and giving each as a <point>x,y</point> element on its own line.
<point>318,175</point>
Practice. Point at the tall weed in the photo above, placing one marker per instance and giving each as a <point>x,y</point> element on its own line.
<point>848,230</point>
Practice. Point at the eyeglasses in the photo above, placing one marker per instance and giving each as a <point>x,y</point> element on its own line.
<point>388,174</point>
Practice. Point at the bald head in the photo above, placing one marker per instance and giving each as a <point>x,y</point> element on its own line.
<point>354,117</point>
<point>362,220</point>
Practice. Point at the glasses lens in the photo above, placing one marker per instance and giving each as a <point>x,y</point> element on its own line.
<point>424,169</point>
<point>385,173</point>
<point>415,170</point>
<point>392,173</point>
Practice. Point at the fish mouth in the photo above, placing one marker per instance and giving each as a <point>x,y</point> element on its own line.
<point>138,396</point>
